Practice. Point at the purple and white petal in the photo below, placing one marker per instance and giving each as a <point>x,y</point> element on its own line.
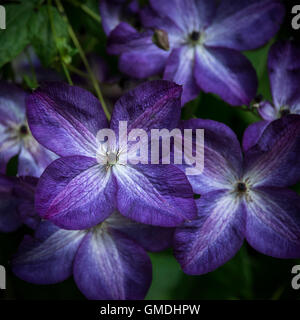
<point>214,238</point>
<point>274,160</point>
<point>110,12</point>
<point>226,73</point>
<point>49,259</point>
<point>273,222</point>
<point>268,111</point>
<point>152,105</point>
<point>65,119</point>
<point>9,217</point>
<point>158,195</point>
<point>151,238</point>
<point>284,73</point>
<point>188,15</point>
<point>222,156</point>
<point>180,69</point>
<point>12,104</point>
<point>245,24</point>
<point>253,133</point>
<point>75,193</point>
<point>140,57</point>
<point>109,266</point>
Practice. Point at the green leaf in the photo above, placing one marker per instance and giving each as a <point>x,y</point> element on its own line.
<point>15,37</point>
<point>41,34</point>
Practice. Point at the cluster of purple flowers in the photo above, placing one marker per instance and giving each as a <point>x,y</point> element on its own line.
<point>96,221</point>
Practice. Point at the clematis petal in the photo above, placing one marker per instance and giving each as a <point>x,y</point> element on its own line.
<point>47,259</point>
<point>222,156</point>
<point>226,73</point>
<point>245,24</point>
<point>9,217</point>
<point>110,266</point>
<point>179,69</point>
<point>65,119</point>
<point>112,12</point>
<point>152,105</point>
<point>253,133</point>
<point>268,111</point>
<point>212,239</point>
<point>274,160</point>
<point>148,237</point>
<point>75,193</point>
<point>158,195</point>
<point>284,70</point>
<point>24,190</point>
<point>34,158</point>
<point>197,13</point>
<point>273,222</point>
<point>140,57</point>
<point>12,104</point>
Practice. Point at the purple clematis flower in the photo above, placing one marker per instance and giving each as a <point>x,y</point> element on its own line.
<point>203,41</point>
<point>284,74</point>
<point>17,203</point>
<point>77,191</point>
<point>243,197</point>
<point>15,136</point>
<point>108,261</point>
<point>114,11</point>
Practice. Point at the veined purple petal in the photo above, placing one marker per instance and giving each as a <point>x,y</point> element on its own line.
<point>158,195</point>
<point>180,69</point>
<point>253,133</point>
<point>149,237</point>
<point>49,259</point>
<point>140,57</point>
<point>110,266</point>
<point>245,24</point>
<point>274,160</point>
<point>9,217</point>
<point>284,73</point>
<point>188,15</point>
<point>273,222</point>
<point>212,239</point>
<point>222,156</point>
<point>75,193</point>
<point>226,73</point>
<point>65,119</point>
<point>152,105</point>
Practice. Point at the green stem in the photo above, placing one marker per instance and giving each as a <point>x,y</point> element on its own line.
<point>66,72</point>
<point>31,67</point>
<point>84,59</point>
<point>87,10</point>
<point>77,71</point>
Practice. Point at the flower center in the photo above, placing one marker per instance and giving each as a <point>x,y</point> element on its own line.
<point>195,36</point>
<point>23,130</point>
<point>241,187</point>
<point>112,158</point>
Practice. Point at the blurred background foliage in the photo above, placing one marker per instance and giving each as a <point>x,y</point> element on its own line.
<point>249,275</point>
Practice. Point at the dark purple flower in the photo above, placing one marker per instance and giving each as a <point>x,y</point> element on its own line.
<point>77,191</point>
<point>243,197</point>
<point>15,136</point>
<point>205,41</point>
<point>284,74</point>
<point>114,11</point>
<point>17,203</point>
<point>108,261</point>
